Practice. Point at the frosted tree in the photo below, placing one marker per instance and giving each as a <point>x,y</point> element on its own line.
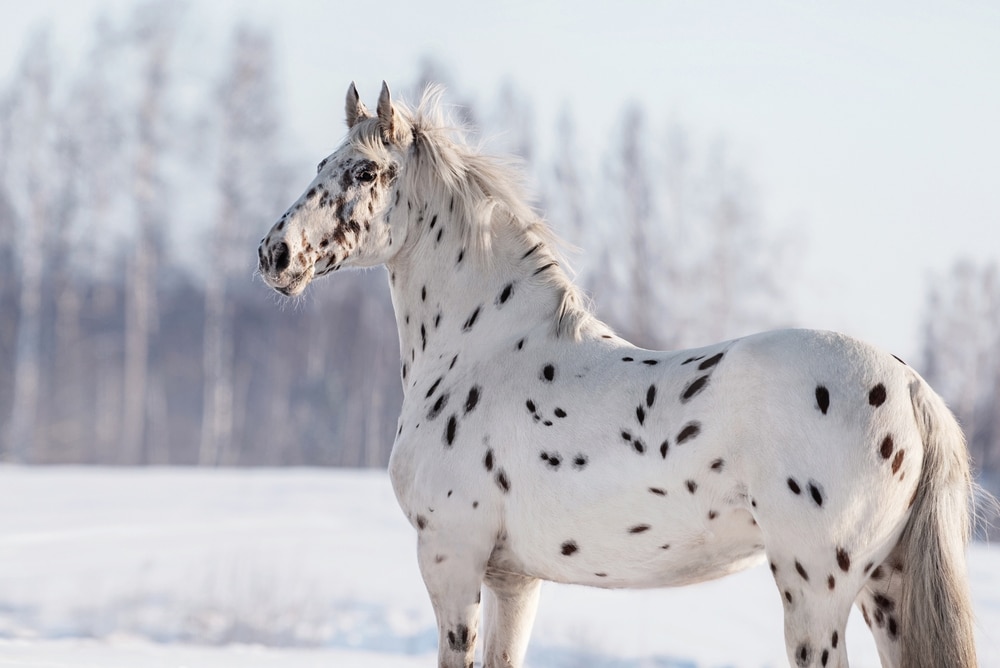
<point>249,187</point>
<point>632,232</point>
<point>153,31</point>
<point>961,344</point>
<point>25,167</point>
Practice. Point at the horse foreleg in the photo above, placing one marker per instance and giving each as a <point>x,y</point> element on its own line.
<point>509,605</point>
<point>453,574</point>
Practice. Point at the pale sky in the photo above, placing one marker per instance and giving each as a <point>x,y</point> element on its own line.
<point>870,128</point>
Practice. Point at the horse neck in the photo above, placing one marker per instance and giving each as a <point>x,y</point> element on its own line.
<point>452,298</point>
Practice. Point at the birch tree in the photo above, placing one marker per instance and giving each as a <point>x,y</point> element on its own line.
<point>154,32</point>
<point>27,155</point>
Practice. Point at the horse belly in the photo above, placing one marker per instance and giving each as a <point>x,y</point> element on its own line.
<point>632,541</point>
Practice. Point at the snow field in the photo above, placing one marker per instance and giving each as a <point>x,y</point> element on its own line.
<point>301,568</point>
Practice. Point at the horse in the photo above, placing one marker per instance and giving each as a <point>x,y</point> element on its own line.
<point>535,444</point>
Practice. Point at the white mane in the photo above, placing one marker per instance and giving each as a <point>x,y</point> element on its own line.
<point>488,196</point>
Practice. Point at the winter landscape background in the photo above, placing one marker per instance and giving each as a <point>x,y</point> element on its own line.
<point>722,170</point>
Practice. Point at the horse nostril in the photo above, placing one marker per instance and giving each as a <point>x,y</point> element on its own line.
<point>262,261</point>
<point>280,256</point>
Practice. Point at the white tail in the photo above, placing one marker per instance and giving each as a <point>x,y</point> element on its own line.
<point>937,621</point>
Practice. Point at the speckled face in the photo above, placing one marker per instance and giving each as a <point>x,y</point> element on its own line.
<point>341,220</point>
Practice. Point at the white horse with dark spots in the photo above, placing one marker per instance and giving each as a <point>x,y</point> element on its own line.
<point>535,444</point>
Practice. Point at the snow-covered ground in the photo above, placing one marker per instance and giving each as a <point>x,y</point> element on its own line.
<point>305,568</point>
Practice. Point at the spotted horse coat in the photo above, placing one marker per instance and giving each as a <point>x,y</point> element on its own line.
<point>535,444</point>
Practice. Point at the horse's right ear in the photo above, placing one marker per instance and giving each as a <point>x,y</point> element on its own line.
<point>354,107</point>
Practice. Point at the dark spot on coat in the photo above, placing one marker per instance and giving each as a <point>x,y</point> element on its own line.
<point>824,657</point>
<point>639,446</point>
<point>638,528</point>
<point>568,548</point>
<point>640,414</point>
<point>433,387</point>
<point>449,431</point>
<point>877,574</point>
<point>650,396</point>
<point>488,460</point>
<point>897,461</point>
<point>717,465</point>
<point>663,449</point>
<point>886,448</point>
<point>472,399</point>
<point>831,582</point>
<point>548,372</point>
<point>835,639</point>
<point>822,398</point>
<point>505,294</point>
<point>893,628</point>
<point>627,359</point>
<point>692,486</point>
<point>579,461</point>
<point>658,491</point>
<point>502,480</point>
<point>651,362</point>
<point>877,395</point>
<point>438,406</point>
<point>692,359</point>
<point>803,655</point>
<point>690,430</point>
<point>458,640</point>
<point>801,571</point>
<point>530,405</point>
<point>544,267</point>
<point>559,413</point>
<point>693,388</point>
<point>816,493</point>
<point>710,362</point>
<point>531,250</point>
<point>843,559</point>
<point>794,486</point>
<point>421,522</point>
<point>552,460</point>
<point>884,602</point>
<point>472,319</point>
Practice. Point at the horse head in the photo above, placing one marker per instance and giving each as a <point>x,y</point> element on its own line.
<point>345,216</point>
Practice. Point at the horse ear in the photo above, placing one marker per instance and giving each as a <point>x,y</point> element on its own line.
<point>386,114</point>
<point>354,107</point>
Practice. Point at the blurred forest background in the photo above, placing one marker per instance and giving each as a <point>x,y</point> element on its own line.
<point>136,183</point>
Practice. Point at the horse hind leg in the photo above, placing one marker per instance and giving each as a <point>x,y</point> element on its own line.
<point>509,603</point>
<point>880,601</point>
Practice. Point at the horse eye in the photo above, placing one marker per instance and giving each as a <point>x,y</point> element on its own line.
<point>367,176</point>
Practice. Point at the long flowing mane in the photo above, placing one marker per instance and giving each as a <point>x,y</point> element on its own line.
<point>488,197</point>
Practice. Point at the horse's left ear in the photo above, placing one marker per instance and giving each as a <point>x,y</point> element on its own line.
<point>354,107</point>
<point>388,119</point>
